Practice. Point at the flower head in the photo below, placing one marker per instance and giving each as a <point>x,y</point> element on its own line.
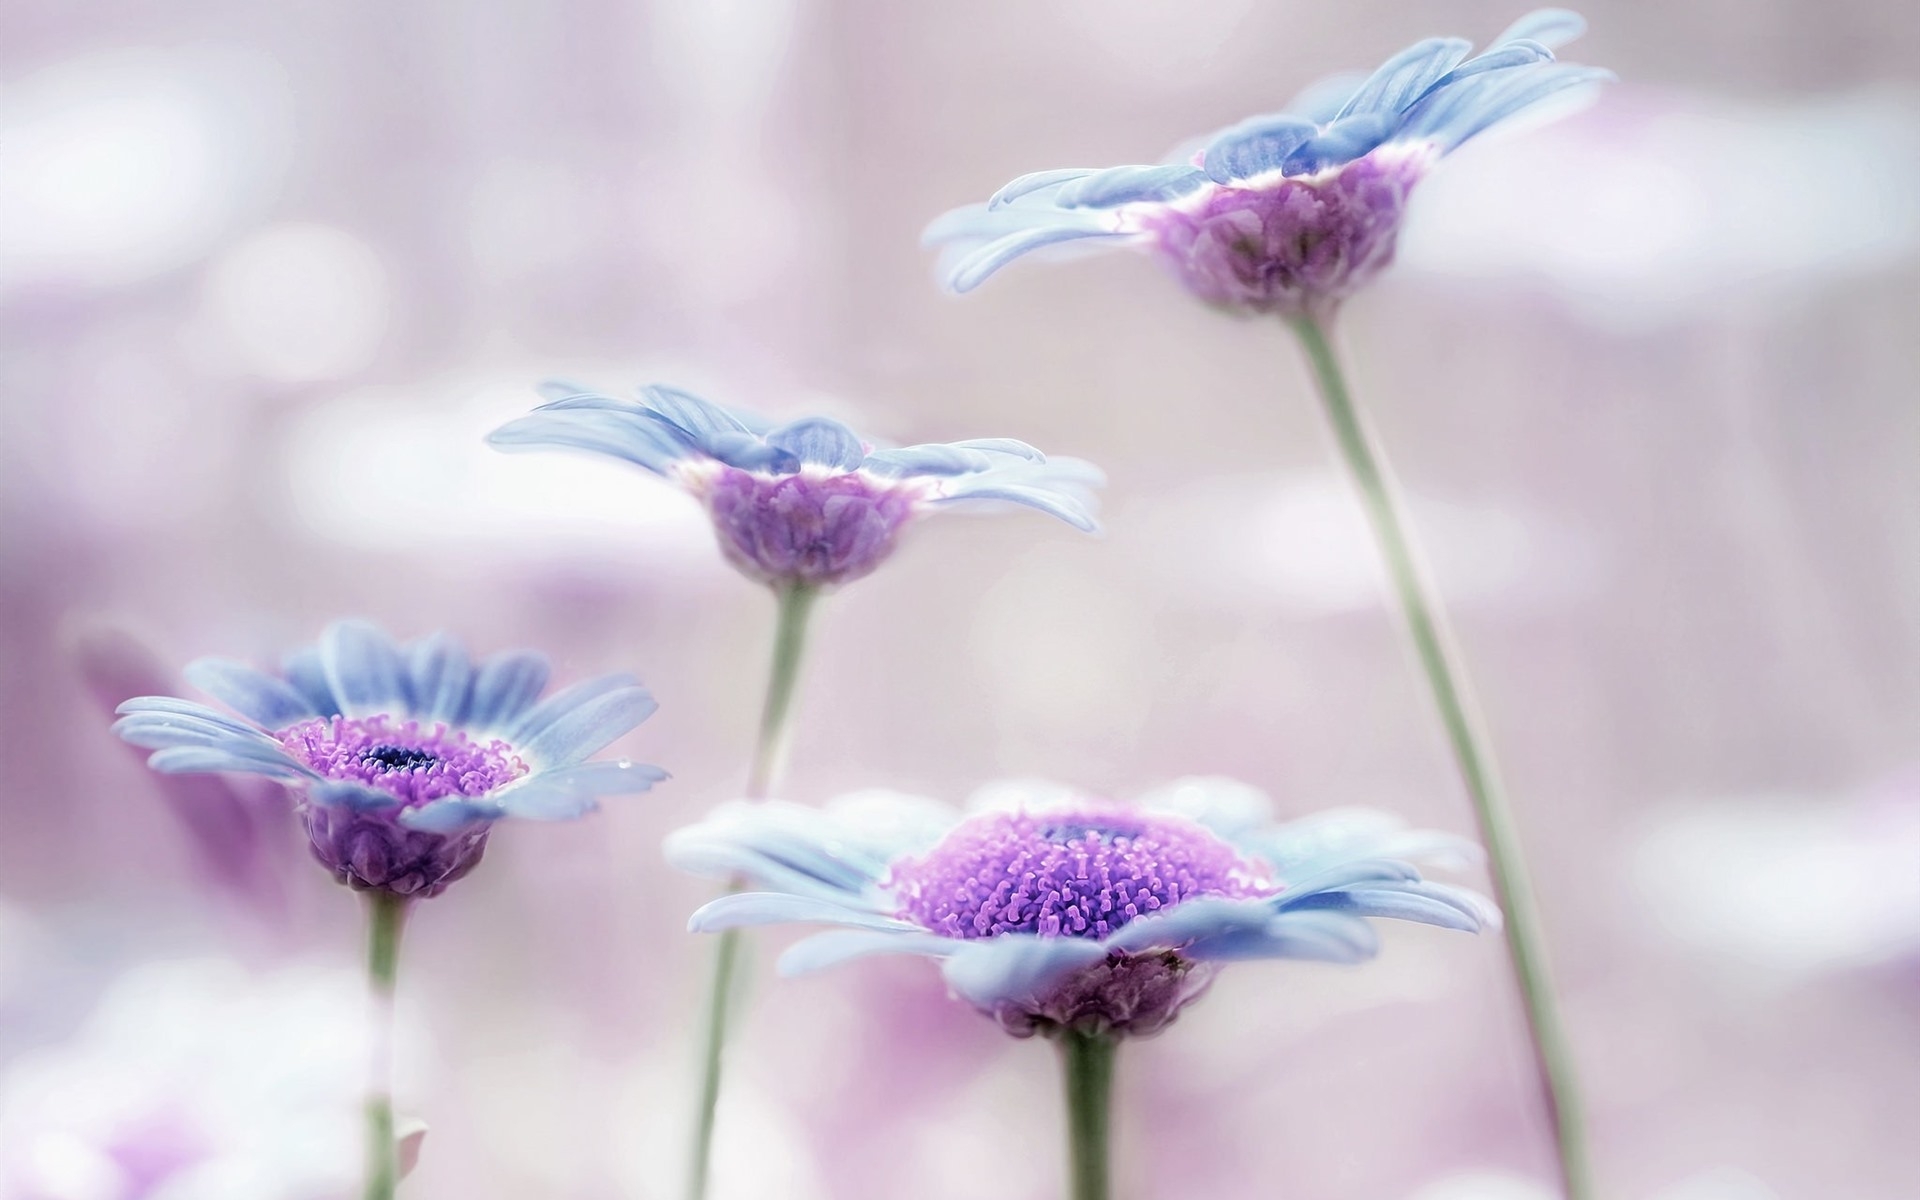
<point>1061,912</point>
<point>1285,213</point>
<point>808,503</point>
<point>403,756</point>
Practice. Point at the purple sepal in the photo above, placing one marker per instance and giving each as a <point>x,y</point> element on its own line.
<point>1292,246</point>
<point>805,529</point>
<point>371,851</point>
<point>1128,995</point>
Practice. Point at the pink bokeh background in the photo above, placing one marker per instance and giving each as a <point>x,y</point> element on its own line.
<point>269,273</point>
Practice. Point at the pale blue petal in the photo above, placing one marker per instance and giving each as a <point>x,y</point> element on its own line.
<point>750,453</point>
<point>441,676</point>
<point>1129,185</point>
<point>575,735</point>
<point>935,459</point>
<point>1171,928</point>
<point>536,799</point>
<point>345,793</point>
<point>628,435</point>
<point>180,760</point>
<point>1341,142</point>
<point>450,814</point>
<point>308,675</point>
<point>1503,58</point>
<point>740,910</point>
<point>157,731</point>
<point>1037,181</point>
<point>259,697</point>
<point>1017,967</point>
<point>174,706</point>
<point>1012,446</point>
<point>699,418</point>
<point>1071,509</point>
<point>1403,78</point>
<point>1345,875</point>
<point>542,715</point>
<point>1452,115</point>
<point>1551,27</point>
<point>972,269</point>
<point>836,946</point>
<point>1405,902</point>
<point>1312,845</point>
<point>614,777</point>
<point>363,668</point>
<point>781,847</point>
<point>504,689</point>
<point>1256,146</point>
<point>1322,101</point>
<point>820,440</point>
<point>1315,936</point>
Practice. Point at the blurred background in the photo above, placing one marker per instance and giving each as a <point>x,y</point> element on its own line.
<point>269,272</point>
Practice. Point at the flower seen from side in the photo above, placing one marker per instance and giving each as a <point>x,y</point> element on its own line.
<point>402,757</point>
<point>1059,914</point>
<point>1289,212</point>
<point>809,503</point>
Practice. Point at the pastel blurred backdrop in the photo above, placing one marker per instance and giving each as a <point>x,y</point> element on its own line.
<point>268,274</point>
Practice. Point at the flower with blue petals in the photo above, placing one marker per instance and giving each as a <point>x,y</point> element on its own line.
<point>1290,212</point>
<point>809,503</point>
<point>403,757</point>
<point>1058,914</point>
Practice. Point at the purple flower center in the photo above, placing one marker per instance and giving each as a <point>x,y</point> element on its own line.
<point>1081,872</point>
<point>805,528</point>
<point>1291,246</point>
<point>414,764</point>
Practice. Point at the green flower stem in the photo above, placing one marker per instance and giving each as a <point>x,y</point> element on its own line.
<point>386,916</point>
<point>776,715</point>
<point>1086,1067</point>
<point>769,757</point>
<point>1440,662</point>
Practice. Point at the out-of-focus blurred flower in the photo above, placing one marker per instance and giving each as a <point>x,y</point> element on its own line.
<point>1056,913</point>
<point>1283,213</point>
<point>403,757</point>
<point>224,825</point>
<point>809,503</point>
<point>193,1081</point>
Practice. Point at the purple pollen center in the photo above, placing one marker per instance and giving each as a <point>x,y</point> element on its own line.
<point>1075,873</point>
<point>400,757</point>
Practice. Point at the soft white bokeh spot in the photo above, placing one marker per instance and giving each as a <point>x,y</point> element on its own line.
<point>299,302</point>
<point>121,164</point>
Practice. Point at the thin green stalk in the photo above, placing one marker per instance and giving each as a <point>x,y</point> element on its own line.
<point>386,916</point>
<point>1440,662</point>
<point>1086,1067</point>
<point>769,756</point>
<point>776,714</point>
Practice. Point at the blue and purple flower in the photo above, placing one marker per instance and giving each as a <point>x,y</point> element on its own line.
<point>1056,913</point>
<point>805,504</point>
<point>1290,212</point>
<point>403,757</point>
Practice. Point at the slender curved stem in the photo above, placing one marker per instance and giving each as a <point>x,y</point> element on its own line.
<point>1440,662</point>
<point>1086,1067</point>
<point>386,916</point>
<point>769,756</point>
<point>776,714</point>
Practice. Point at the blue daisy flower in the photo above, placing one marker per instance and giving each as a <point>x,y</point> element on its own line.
<point>1285,213</point>
<point>403,757</point>
<point>809,503</point>
<point>1058,914</point>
